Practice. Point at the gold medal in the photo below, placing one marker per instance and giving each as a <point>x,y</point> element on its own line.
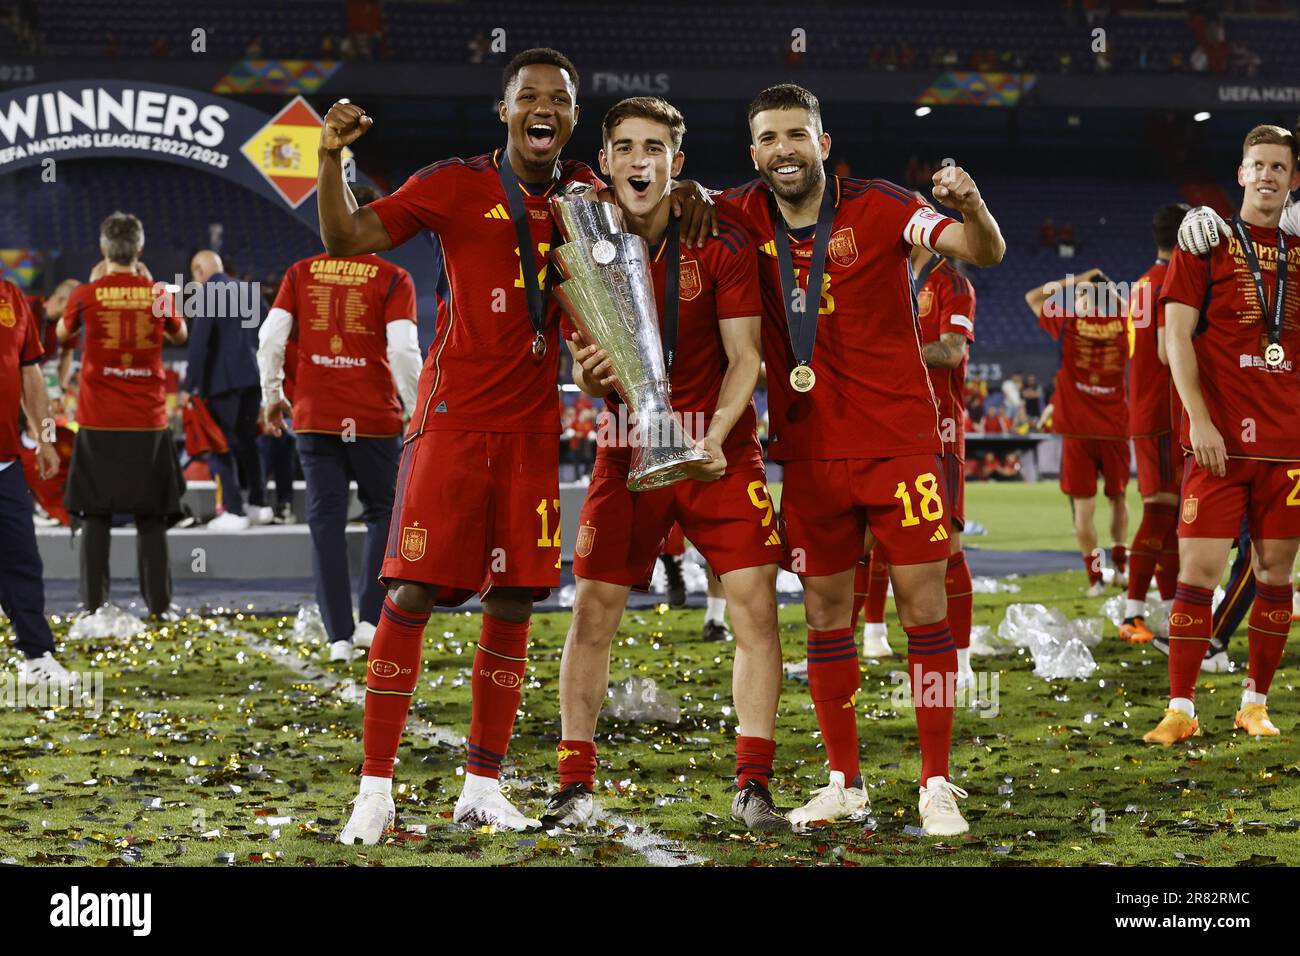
<point>1274,355</point>
<point>539,346</point>
<point>802,378</point>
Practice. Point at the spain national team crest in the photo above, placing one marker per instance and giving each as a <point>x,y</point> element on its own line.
<point>413,542</point>
<point>923,302</point>
<point>336,344</point>
<point>842,249</point>
<point>7,317</point>
<point>689,284</point>
<point>586,538</point>
<point>1189,509</point>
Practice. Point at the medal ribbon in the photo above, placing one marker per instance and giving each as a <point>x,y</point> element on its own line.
<point>537,299</point>
<point>1274,319</point>
<point>672,283</point>
<point>803,324</point>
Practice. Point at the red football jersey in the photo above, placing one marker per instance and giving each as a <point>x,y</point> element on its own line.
<point>1253,406</point>
<point>480,373</point>
<point>1154,407</point>
<point>49,330</point>
<point>946,303</point>
<point>20,344</point>
<point>341,309</point>
<point>122,382</point>
<point>1089,397</point>
<point>872,398</point>
<point>715,283</point>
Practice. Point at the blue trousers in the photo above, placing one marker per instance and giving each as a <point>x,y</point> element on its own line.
<point>22,584</point>
<point>279,458</point>
<point>235,413</point>
<point>328,464</point>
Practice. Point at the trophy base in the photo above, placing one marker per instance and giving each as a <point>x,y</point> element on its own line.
<point>664,473</point>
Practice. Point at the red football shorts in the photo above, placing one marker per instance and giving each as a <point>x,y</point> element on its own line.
<point>1083,458</point>
<point>1159,461</point>
<point>1267,492</point>
<point>675,542</point>
<point>954,486</point>
<point>827,507</point>
<point>476,510</point>
<point>731,521</point>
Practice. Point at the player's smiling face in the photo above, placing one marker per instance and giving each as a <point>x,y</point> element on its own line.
<point>788,151</point>
<point>540,110</point>
<point>640,161</point>
<point>1268,174</point>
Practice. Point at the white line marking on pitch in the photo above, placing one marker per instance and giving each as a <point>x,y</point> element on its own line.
<point>655,848</point>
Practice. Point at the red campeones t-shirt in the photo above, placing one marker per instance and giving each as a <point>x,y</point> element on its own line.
<point>1089,397</point>
<point>1154,407</point>
<point>946,303</point>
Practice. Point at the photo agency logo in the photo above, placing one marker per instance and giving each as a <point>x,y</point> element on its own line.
<point>85,692</point>
<point>936,689</point>
<point>76,909</point>
<point>621,428</point>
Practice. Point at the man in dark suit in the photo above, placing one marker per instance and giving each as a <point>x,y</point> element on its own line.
<point>223,371</point>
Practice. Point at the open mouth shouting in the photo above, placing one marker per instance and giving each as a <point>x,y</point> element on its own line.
<point>639,186</point>
<point>541,137</point>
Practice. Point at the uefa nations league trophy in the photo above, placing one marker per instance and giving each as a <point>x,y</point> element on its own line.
<point>608,294</point>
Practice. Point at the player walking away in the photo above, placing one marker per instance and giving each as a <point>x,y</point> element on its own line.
<point>124,460</point>
<point>354,323</point>
<point>22,584</point>
<point>478,503</point>
<point>1153,410</point>
<point>1240,391</point>
<point>945,309</point>
<point>709,306</point>
<point>854,422</point>
<point>1091,413</point>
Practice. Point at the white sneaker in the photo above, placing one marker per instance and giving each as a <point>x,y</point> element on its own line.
<point>228,522</point>
<point>1218,663</point>
<point>372,815</point>
<point>1120,580</point>
<point>1096,590</point>
<point>1295,604</point>
<point>46,670</point>
<point>342,651</point>
<point>965,680</point>
<point>875,642</point>
<point>938,809</point>
<point>482,803</point>
<point>831,802</point>
<point>363,635</point>
<point>263,514</point>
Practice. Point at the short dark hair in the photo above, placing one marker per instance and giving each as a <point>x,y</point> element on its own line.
<point>543,55</point>
<point>787,96</point>
<point>365,194</point>
<point>652,108</point>
<point>122,236</point>
<point>1166,222</point>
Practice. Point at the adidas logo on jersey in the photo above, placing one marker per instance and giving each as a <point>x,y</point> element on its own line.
<point>441,407</point>
<point>774,539</point>
<point>497,212</point>
<point>940,535</point>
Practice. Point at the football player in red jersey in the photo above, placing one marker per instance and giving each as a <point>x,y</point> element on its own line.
<point>710,331</point>
<point>1154,412</point>
<point>1232,333</point>
<point>854,422</point>
<point>354,324</point>
<point>477,500</point>
<point>48,312</point>
<point>1090,411</point>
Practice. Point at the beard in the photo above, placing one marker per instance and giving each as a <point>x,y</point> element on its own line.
<point>796,192</point>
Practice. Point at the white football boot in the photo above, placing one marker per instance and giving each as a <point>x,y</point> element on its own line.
<point>875,640</point>
<point>938,808</point>
<point>372,815</point>
<point>482,803</point>
<point>831,802</point>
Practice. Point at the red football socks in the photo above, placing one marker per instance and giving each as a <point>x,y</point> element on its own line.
<point>754,760</point>
<point>1270,623</point>
<point>577,760</point>
<point>932,670</point>
<point>1189,635</point>
<point>391,677</point>
<point>1092,564</point>
<point>499,665</point>
<point>833,682</point>
<point>1148,544</point>
<point>861,575</point>
<point>877,590</point>
<point>1118,558</point>
<point>957,584</point>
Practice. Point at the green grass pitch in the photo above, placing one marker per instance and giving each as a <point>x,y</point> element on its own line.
<point>225,742</point>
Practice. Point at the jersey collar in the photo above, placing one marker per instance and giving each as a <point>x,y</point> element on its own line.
<point>838,197</point>
<point>523,186</point>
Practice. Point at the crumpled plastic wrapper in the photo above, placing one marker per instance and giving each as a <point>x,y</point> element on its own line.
<point>640,699</point>
<point>986,585</point>
<point>984,643</point>
<point>1154,613</point>
<point>108,620</point>
<point>308,628</point>
<point>1059,646</point>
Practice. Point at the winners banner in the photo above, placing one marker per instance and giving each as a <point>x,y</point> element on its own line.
<point>77,119</point>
